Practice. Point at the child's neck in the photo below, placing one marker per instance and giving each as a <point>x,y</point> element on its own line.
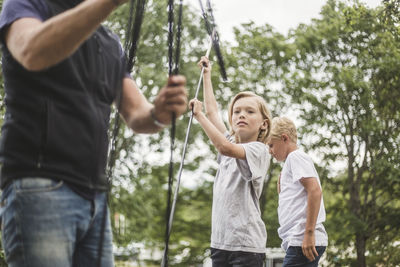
<point>246,139</point>
<point>291,147</point>
<point>243,141</point>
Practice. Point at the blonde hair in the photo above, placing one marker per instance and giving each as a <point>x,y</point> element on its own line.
<point>283,125</point>
<point>262,107</point>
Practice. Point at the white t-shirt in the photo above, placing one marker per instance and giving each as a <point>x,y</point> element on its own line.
<point>292,209</point>
<point>236,216</point>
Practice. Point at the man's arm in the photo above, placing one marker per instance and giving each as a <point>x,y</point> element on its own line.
<point>136,110</point>
<point>38,45</point>
<point>314,195</point>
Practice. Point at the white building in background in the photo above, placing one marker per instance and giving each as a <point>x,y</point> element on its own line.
<point>274,257</point>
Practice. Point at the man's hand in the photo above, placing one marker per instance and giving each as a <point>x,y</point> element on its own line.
<point>172,98</point>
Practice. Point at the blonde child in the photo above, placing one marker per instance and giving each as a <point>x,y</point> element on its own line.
<point>301,209</point>
<point>238,235</point>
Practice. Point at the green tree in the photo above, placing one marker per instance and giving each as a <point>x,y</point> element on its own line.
<point>141,173</point>
<point>344,82</point>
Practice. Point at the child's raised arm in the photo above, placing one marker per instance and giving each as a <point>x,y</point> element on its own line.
<point>218,139</point>
<point>210,104</point>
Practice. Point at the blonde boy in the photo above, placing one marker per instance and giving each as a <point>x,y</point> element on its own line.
<point>301,209</point>
<point>238,235</point>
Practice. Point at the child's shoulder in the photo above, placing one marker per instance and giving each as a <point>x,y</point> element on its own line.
<point>298,155</point>
<point>257,145</point>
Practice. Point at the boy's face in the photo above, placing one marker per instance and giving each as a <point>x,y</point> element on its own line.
<point>278,147</point>
<point>247,119</point>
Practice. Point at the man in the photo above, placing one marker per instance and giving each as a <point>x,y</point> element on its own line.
<point>62,71</point>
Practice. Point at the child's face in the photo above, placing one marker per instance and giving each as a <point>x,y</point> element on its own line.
<point>278,148</point>
<point>247,119</point>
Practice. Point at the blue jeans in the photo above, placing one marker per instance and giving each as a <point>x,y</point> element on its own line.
<point>46,224</point>
<point>295,257</point>
<point>224,258</point>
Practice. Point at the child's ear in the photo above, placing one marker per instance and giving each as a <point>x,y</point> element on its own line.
<point>264,125</point>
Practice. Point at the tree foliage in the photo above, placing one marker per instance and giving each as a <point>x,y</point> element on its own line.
<point>337,74</point>
<point>139,185</point>
<point>345,84</point>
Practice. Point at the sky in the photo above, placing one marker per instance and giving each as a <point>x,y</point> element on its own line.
<point>281,14</point>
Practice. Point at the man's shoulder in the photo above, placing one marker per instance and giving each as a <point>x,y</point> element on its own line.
<point>17,9</point>
<point>26,7</point>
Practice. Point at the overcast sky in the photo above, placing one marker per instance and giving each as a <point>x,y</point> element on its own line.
<point>281,14</point>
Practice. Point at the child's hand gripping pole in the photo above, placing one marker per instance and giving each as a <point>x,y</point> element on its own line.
<point>171,216</point>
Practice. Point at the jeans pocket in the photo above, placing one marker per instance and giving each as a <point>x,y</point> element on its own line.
<point>320,250</point>
<point>36,185</point>
<point>292,251</point>
<point>6,197</point>
<point>215,253</point>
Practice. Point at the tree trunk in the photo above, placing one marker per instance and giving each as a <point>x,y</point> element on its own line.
<point>360,247</point>
<point>355,203</point>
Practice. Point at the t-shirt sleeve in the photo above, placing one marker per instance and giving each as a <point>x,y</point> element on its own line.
<point>257,161</point>
<point>230,139</point>
<point>13,10</point>
<point>302,166</point>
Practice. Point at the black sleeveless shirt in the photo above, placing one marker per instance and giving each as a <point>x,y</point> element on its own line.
<point>56,120</point>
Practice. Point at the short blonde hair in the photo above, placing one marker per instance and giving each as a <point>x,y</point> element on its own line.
<point>263,108</point>
<point>283,125</point>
